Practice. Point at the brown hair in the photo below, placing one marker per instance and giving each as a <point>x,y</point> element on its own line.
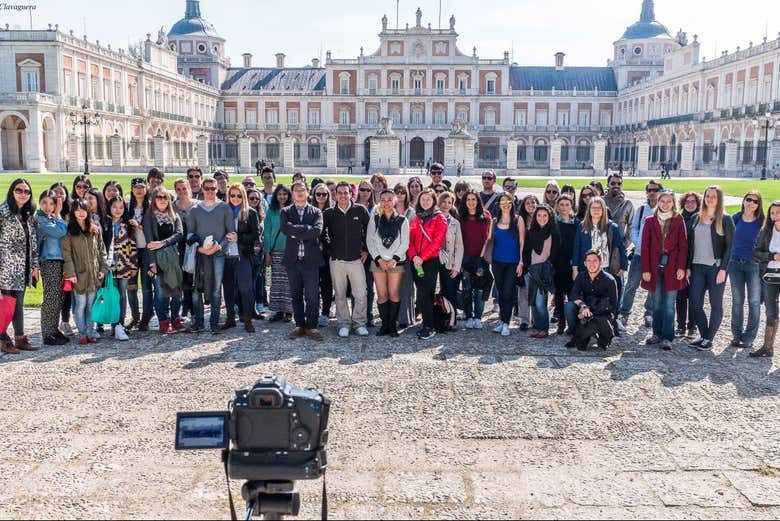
<point>160,189</point>
<point>760,217</point>
<point>587,223</point>
<point>719,210</point>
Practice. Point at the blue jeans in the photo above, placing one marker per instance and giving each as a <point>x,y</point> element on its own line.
<point>237,291</point>
<point>633,281</point>
<point>703,280</point>
<point>216,296</point>
<point>82,312</point>
<point>121,286</point>
<point>745,274</point>
<point>167,308</point>
<point>540,313</point>
<point>663,310</point>
<point>473,301</point>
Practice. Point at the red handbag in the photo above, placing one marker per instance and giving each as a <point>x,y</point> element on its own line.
<point>7,309</point>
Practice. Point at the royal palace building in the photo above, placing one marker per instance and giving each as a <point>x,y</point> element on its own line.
<point>177,101</point>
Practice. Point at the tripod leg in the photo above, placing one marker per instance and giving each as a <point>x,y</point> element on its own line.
<point>250,509</point>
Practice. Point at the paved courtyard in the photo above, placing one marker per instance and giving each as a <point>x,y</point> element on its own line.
<point>466,425</point>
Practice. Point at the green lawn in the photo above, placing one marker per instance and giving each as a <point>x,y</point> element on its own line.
<point>736,188</point>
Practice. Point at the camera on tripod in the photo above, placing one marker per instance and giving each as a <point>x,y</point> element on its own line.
<point>272,435</point>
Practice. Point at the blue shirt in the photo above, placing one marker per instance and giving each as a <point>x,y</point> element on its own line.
<point>745,237</point>
<point>506,247</point>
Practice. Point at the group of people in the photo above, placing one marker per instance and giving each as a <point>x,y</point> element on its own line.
<point>409,252</point>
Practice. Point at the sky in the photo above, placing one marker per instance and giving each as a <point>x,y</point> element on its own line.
<point>532,30</point>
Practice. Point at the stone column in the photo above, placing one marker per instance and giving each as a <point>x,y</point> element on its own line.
<point>332,155</point>
<point>116,152</point>
<point>642,157</point>
<point>730,164</point>
<point>686,161</point>
<point>203,152</point>
<point>468,156</point>
<point>774,156</point>
<point>555,156</point>
<point>288,153</point>
<point>34,159</point>
<point>160,159</point>
<point>385,155</point>
<point>511,155</point>
<point>450,160</point>
<point>245,154</point>
<point>599,157</point>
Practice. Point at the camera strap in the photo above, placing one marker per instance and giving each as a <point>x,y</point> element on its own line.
<point>230,495</point>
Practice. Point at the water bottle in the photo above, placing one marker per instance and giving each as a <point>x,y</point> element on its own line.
<point>420,272</point>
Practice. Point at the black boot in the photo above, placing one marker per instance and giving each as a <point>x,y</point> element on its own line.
<point>384,315</point>
<point>394,308</point>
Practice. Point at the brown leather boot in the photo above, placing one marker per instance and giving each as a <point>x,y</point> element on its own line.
<point>23,344</point>
<point>248,326</point>
<point>769,341</point>
<point>6,346</point>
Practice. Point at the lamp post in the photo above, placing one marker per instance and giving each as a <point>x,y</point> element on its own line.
<point>85,120</point>
<point>767,124</point>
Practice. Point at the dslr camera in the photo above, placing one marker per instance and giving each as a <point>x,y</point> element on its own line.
<point>272,435</point>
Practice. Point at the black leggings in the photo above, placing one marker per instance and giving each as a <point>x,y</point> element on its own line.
<point>426,290</point>
<point>18,320</point>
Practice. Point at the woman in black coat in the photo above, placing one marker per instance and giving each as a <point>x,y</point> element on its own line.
<point>567,228</point>
<point>239,260</point>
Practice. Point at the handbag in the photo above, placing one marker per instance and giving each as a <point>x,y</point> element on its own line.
<point>772,277</point>
<point>105,310</point>
<point>444,256</point>
<point>7,309</point>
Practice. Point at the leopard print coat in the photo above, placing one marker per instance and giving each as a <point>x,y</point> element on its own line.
<point>14,251</point>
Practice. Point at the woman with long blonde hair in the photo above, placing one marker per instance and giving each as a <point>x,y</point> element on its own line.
<point>242,246</point>
<point>710,243</point>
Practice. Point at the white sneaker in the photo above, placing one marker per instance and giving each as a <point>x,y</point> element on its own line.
<point>323,321</point>
<point>477,323</point>
<point>361,331</point>
<point>66,329</point>
<point>499,328</point>
<point>496,308</point>
<point>469,323</point>
<point>344,332</point>
<point>120,333</point>
<point>505,330</point>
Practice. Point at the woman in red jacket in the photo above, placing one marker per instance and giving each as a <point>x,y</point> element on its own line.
<point>663,260</point>
<point>427,233</point>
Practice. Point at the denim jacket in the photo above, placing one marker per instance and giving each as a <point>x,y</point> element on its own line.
<point>50,231</point>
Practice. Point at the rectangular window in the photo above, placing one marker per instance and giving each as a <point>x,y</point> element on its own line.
<point>396,117</point>
<point>584,118</point>
<point>314,152</point>
<point>292,117</point>
<point>491,86</point>
<point>417,117</point>
<point>563,119</point>
<point>395,85</point>
<point>540,153</point>
<point>344,117</point>
<point>440,86</point>
<point>251,117</point>
<point>344,86</point>
<point>520,118</point>
<point>272,151</point>
<point>541,118</point>
<point>462,85</point>
<point>372,118</point>
<point>463,116</point>
<point>272,117</point>
<point>314,117</point>
<point>441,118</point>
<point>372,86</point>
<point>418,86</point>
<point>95,88</point>
<point>117,93</point>
<point>30,83</point>
<point>490,118</point>
<point>230,117</point>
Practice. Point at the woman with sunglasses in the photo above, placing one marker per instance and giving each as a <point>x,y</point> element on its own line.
<point>238,260</point>
<point>710,244</point>
<point>406,315</point>
<point>256,202</point>
<point>461,187</point>
<point>586,195</point>
<point>163,231</point>
<point>320,199</point>
<point>18,259</point>
<point>366,199</point>
<point>138,207</point>
<point>279,298</point>
<point>81,184</point>
<point>744,271</point>
<point>551,193</point>
<point>767,254</point>
<point>690,204</point>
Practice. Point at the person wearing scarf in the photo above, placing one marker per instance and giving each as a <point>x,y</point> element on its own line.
<point>540,251</point>
<point>567,223</point>
<point>387,239</point>
<point>664,256</point>
<point>690,203</point>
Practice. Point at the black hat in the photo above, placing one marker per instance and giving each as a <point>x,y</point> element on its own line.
<point>437,167</point>
<point>138,181</point>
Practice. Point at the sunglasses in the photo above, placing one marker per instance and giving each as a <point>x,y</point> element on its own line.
<point>235,196</point>
<point>488,178</point>
<point>366,190</point>
<point>82,187</point>
<point>209,188</point>
<point>615,184</point>
<point>196,176</point>
<point>22,191</point>
<point>253,199</point>
<point>249,184</point>
<point>751,200</point>
<point>586,195</point>
<point>552,192</point>
<point>400,192</point>
<point>510,188</point>
<point>653,190</point>
<point>162,198</point>
<point>322,194</point>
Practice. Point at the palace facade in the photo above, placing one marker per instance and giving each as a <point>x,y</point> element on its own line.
<point>417,97</point>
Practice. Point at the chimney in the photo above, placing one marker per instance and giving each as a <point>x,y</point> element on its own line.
<point>280,56</point>
<point>247,60</point>
<point>559,61</point>
<point>315,63</point>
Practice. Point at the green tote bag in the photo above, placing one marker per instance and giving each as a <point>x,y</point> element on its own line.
<point>105,310</point>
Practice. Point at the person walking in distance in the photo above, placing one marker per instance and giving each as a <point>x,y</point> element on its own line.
<point>302,224</point>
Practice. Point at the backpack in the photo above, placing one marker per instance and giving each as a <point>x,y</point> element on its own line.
<point>444,316</point>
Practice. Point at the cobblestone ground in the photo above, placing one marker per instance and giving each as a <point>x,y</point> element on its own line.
<point>466,425</point>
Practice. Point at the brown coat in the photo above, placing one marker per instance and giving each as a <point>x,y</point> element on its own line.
<point>85,257</point>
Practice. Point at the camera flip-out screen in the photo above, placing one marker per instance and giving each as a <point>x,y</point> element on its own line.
<point>201,430</point>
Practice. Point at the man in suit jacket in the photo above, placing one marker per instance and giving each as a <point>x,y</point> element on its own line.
<point>302,224</point>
